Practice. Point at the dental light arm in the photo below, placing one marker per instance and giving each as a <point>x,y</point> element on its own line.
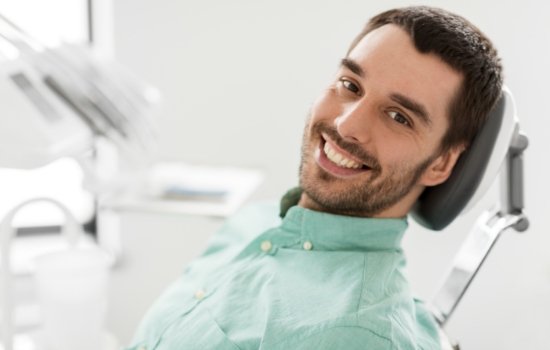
<point>58,101</point>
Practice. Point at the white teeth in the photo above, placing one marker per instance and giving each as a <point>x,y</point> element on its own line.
<point>339,159</point>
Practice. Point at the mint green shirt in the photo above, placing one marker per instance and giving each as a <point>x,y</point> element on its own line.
<point>311,281</point>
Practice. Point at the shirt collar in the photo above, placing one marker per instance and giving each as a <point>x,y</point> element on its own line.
<point>337,232</point>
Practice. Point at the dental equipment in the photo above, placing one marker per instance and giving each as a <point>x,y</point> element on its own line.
<point>65,102</point>
<point>64,98</point>
<point>74,236</point>
<point>498,148</point>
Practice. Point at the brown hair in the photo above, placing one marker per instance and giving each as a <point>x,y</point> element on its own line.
<point>462,46</point>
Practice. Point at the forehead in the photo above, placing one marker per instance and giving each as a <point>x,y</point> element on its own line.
<point>392,64</point>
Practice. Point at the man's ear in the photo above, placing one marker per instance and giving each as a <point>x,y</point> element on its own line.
<point>441,167</point>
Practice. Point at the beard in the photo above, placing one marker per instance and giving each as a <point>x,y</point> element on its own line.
<point>366,194</point>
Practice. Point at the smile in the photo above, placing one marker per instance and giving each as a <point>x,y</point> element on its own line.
<point>336,161</point>
<point>340,159</point>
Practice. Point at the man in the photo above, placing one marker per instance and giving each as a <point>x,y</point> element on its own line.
<point>409,96</point>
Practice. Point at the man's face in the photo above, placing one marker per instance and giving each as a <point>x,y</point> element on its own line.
<point>372,140</point>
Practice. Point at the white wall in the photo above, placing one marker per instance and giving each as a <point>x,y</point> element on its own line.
<point>239,76</point>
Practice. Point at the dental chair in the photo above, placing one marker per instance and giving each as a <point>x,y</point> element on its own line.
<point>496,150</point>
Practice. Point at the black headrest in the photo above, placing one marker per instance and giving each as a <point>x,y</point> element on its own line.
<point>438,206</point>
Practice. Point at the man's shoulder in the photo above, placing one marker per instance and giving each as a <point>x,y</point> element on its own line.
<point>386,324</point>
<point>333,337</point>
<point>362,333</point>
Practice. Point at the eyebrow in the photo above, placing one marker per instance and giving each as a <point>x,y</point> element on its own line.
<point>417,108</point>
<point>352,66</point>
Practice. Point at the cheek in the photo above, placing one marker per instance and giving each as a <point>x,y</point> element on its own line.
<point>326,106</point>
<point>394,153</point>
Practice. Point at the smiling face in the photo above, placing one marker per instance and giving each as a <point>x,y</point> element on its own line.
<point>372,142</point>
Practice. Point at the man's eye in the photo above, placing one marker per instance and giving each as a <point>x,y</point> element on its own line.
<point>349,85</point>
<point>398,117</point>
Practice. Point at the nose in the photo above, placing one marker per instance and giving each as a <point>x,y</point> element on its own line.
<point>355,122</point>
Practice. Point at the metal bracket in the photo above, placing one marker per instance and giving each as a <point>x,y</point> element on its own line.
<point>485,233</point>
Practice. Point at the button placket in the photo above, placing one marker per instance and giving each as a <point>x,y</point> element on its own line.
<point>199,294</point>
<point>266,246</point>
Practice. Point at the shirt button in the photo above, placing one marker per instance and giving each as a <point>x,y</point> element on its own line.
<point>266,246</point>
<point>199,294</point>
<point>307,245</point>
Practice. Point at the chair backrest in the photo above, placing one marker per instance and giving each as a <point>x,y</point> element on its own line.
<point>498,147</point>
<point>474,172</point>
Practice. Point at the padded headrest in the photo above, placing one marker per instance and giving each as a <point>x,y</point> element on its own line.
<point>474,171</point>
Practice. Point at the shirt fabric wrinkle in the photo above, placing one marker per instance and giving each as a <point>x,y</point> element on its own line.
<point>343,289</point>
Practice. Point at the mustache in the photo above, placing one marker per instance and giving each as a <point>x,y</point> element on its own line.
<point>350,147</point>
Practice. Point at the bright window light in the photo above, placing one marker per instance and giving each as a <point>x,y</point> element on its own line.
<point>50,21</point>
